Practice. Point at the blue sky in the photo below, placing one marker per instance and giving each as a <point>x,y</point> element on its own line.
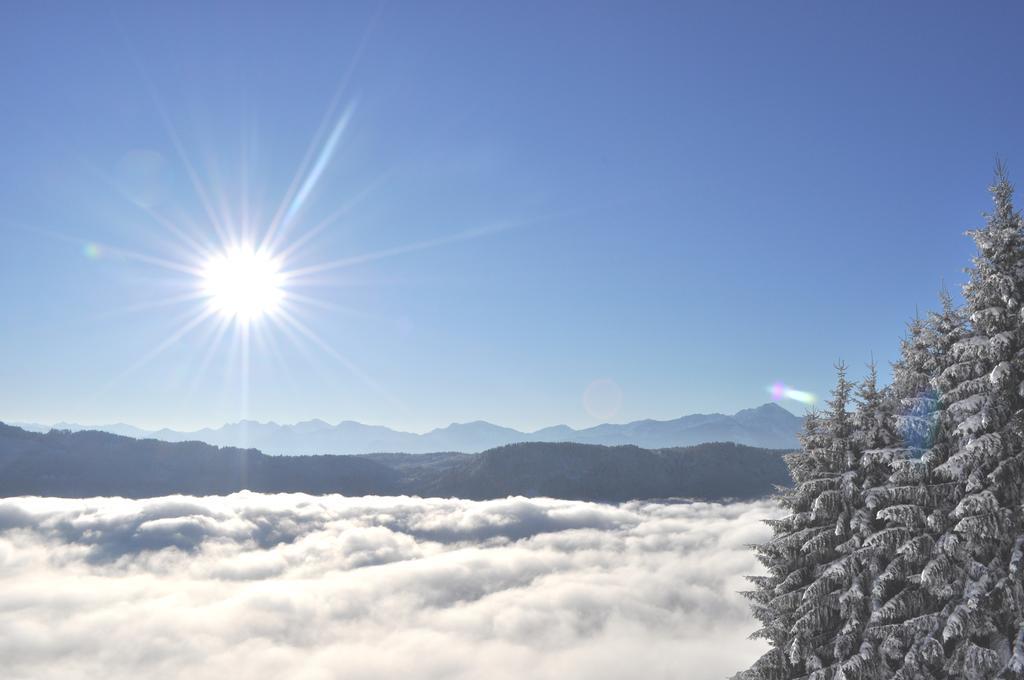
<point>689,200</point>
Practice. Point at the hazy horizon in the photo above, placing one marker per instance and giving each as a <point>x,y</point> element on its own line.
<point>335,422</point>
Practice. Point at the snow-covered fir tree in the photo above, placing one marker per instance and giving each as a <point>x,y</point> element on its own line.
<point>983,390</point>
<point>833,609</point>
<point>874,437</point>
<point>813,600</point>
<point>903,552</point>
<point>776,595</point>
<point>908,506</point>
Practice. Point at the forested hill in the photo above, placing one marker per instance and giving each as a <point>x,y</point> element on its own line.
<point>89,463</point>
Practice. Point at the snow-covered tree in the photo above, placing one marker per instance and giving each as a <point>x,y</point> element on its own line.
<point>776,595</point>
<point>864,482</point>
<point>915,610</point>
<point>983,388</point>
<point>903,552</point>
<point>908,506</point>
<point>811,602</point>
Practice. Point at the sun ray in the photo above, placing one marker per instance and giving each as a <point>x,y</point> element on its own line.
<point>293,296</point>
<point>297,194</point>
<point>155,304</point>
<point>231,363</point>
<point>246,369</point>
<point>177,231</point>
<point>170,340</point>
<point>157,350</point>
<point>243,182</point>
<point>466,235</point>
<point>217,334</point>
<point>334,216</point>
<point>267,340</point>
<point>297,342</point>
<point>179,149</point>
<point>322,159</point>
<point>269,239</point>
<point>296,275</point>
<point>150,259</point>
<point>345,361</point>
<point>175,139</point>
<point>107,249</point>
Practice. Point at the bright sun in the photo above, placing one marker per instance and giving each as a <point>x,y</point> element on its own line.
<point>243,283</point>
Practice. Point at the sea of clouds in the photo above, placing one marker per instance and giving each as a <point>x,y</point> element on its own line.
<point>295,586</point>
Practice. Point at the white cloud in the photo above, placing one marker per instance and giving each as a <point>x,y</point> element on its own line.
<point>303,587</point>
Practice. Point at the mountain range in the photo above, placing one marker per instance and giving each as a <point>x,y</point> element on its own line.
<point>91,463</point>
<point>767,426</point>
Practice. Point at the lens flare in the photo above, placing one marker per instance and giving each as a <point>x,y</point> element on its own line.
<point>91,251</point>
<point>322,160</point>
<point>918,421</point>
<point>780,391</point>
<point>243,284</point>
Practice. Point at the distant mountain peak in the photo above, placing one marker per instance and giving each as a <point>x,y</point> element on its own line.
<point>768,407</point>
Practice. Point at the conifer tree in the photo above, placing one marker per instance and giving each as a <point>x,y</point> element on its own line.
<point>927,427</point>
<point>983,388</point>
<point>777,594</point>
<point>903,552</point>
<point>908,507</point>
<point>865,488</point>
<point>811,601</point>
